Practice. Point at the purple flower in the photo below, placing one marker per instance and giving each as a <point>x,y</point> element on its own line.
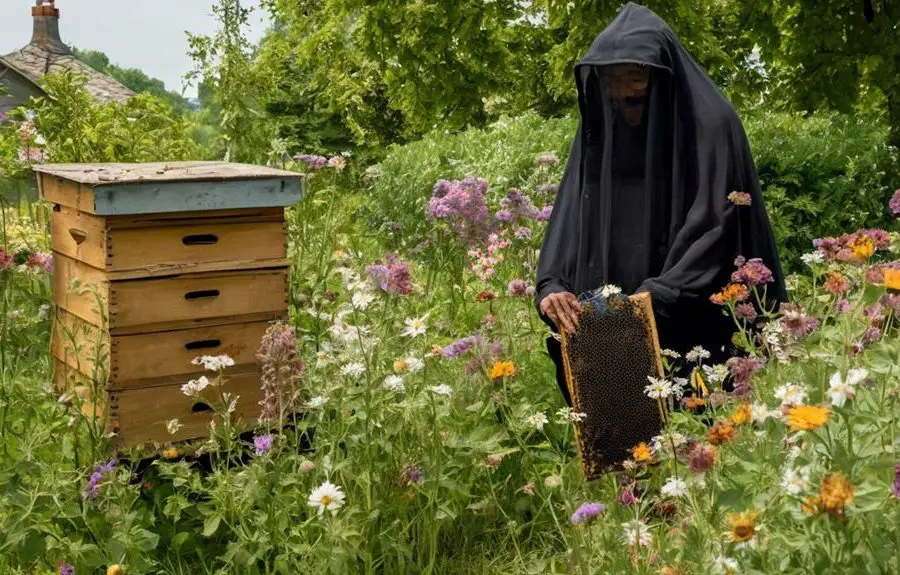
<point>587,512</point>
<point>843,306</point>
<point>282,371</point>
<point>754,272</point>
<point>796,322</point>
<point>544,214</point>
<point>895,485</point>
<point>517,288</point>
<point>892,302</point>
<point>460,346</point>
<point>393,277</point>
<point>313,162</point>
<point>871,335</point>
<point>746,312</point>
<point>66,569</point>
<point>505,216</point>
<point>523,234</point>
<point>743,368</point>
<point>7,261</point>
<point>93,485</point>
<point>462,203</point>
<point>894,205</point>
<point>411,475</point>
<point>40,261</point>
<point>262,444</point>
<point>626,497</point>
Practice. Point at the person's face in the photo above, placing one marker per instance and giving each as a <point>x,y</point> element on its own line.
<point>627,85</point>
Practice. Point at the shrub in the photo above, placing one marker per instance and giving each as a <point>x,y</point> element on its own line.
<point>820,174</point>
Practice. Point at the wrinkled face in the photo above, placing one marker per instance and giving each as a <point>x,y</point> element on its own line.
<point>627,85</point>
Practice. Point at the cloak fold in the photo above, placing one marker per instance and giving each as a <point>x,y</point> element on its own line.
<point>688,154</point>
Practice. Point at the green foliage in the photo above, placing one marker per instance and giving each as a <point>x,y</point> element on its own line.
<point>832,53</point>
<point>133,78</point>
<point>79,129</point>
<point>223,66</point>
<point>819,175</point>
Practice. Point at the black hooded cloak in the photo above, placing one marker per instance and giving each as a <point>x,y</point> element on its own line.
<point>646,208</point>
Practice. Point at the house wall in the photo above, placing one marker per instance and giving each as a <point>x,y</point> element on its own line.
<point>15,90</point>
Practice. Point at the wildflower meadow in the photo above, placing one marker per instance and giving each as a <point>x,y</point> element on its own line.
<point>411,422</point>
<point>409,419</point>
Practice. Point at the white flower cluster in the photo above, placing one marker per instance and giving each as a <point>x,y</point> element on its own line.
<point>660,388</point>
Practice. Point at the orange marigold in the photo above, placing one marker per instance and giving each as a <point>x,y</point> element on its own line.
<point>807,417</point>
<point>731,294</point>
<point>743,526</point>
<point>835,493</point>
<point>694,402</point>
<point>502,369</point>
<point>721,432</point>
<point>741,415</point>
<point>642,453</point>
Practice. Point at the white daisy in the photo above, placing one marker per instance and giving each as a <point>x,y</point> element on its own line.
<point>326,497</point>
<point>658,388</point>
<point>354,369</point>
<point>813,258</point>
<point>566,415</point>
<point>725,566</point>
<point>760,412</point>
<point>414,364</point>
<point>697,354</point>
<point>172,426</point>
<point>414,327</point>
<point>636,533</point>
<point>674,487</point>
<point>610,290</point>
<point>442,389</point>
<point>537,420</point>
<point>842,389</point>
<point>195,386</point>
<point>213,362</point>
<point>394,383</point>
<point>790,394</point>
<point>795,481</point>
<point>361,299</point>
<point>317,402</point>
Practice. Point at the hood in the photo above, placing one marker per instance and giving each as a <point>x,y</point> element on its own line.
<point>636,36</point>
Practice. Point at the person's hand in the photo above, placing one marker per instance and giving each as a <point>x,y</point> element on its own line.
<point>563,308</point>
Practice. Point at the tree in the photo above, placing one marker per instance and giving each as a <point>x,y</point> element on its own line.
<point>832,53</point>
<point>133,78</point>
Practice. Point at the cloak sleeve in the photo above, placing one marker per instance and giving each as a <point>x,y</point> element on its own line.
<point>559,251</point>
<point>700,249</point>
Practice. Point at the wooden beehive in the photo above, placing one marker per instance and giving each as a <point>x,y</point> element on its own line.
<point>174,261</point>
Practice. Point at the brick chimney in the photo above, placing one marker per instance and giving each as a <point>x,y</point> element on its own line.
<point>46,28</point>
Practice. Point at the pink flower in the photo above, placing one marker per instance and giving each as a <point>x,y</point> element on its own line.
<point>6,260</point>
<point>462,204</point>
<point>40,261</point>
<point>843,306</point>
<point>544,214</point>
<point>796,322</point>
<point>753,272</point>
<point>746,312</point>
<point>894,205</point>
<point>517,288</point>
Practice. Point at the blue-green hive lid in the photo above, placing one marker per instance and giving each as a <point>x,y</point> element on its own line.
<point>165,187</point>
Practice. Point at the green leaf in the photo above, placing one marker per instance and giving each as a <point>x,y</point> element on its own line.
<point>210,525</point>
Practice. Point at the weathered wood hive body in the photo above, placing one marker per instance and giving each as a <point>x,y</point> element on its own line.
<point>174,261</point>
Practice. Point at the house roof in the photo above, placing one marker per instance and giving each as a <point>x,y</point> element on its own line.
<point>47,54</point>
<point>33,62</point>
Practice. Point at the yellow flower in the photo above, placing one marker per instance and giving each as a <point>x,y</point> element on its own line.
<point>114,570</point>
<point>807,417</point>
<point>835,493</point>
<point>400,365</point>
<point>892,279</point>
<point>502,369</point>
<point>170,453</point>
<point>642,453</point>
<point>741,415</point>
<point>863,247</point>
<point>743,526</point>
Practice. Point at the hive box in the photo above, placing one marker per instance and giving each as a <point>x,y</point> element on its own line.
<point>154,265</point>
